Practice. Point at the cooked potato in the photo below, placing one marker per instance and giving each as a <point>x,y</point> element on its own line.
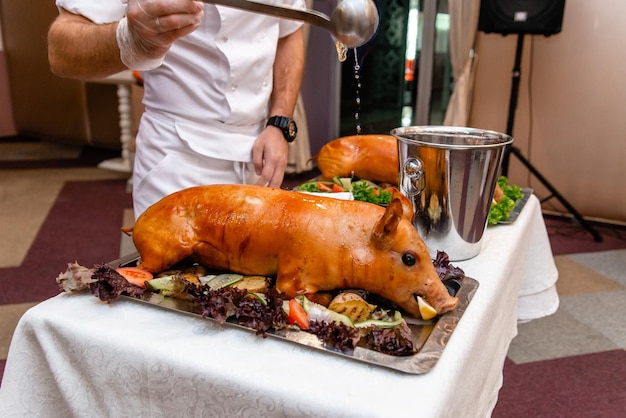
<point>191,278</point>
<point>352,305</point>
<point>255,284</point>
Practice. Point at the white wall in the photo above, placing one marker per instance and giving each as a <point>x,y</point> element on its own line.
<point>571,115</point>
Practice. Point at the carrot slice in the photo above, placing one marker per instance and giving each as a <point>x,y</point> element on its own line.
<point>323,188</point>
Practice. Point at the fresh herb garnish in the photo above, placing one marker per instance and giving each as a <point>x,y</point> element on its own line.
<point>500,211</point>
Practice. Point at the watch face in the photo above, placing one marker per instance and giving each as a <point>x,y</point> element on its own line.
<point>287,125</point>
<point>293,130</point>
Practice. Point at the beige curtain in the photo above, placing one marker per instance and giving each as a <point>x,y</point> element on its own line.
<point>463,27</point>
<point>300,149</point>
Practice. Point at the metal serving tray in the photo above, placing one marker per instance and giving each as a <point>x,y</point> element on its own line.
<point>430,337</point>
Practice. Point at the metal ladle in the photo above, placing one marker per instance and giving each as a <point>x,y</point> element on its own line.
<point>353,22</point>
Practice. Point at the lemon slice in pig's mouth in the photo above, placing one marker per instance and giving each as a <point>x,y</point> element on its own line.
<point>426,310</point>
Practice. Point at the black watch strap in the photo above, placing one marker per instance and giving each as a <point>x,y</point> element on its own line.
<point>285,124</point>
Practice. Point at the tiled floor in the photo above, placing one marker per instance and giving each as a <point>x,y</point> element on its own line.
<point>592,290</point>
<point>26,197</point>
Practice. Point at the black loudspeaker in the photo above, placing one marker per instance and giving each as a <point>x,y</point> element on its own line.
<point>538,17</point>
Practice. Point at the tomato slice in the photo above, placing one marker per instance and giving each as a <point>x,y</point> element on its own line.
<point>322,187</point>
<point>297,315</point>
<point>135,275</point>
<point>337,188</point>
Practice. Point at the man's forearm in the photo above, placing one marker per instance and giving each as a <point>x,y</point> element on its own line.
<point>288,69</point>
<point>79,48</point>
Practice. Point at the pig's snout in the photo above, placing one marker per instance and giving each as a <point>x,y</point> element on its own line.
<point>444,305</point>
<point>437,296</point>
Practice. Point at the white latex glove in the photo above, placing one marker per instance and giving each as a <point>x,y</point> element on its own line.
<point>151,26</point>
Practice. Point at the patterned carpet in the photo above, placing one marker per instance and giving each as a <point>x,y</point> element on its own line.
<point>571,364</point>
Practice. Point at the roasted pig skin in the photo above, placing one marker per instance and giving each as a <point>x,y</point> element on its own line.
<point>309,243</point>
<point>370,157</point>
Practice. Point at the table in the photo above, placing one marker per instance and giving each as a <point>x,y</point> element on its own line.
<point>75,356</point>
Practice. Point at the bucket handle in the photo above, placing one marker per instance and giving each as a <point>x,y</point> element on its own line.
<point>413,177</point>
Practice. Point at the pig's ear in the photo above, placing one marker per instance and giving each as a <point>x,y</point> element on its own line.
<point>386,226</point>
<point>407,207</point>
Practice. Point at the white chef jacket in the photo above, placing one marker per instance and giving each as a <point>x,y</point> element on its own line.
<point>211,93</point>
<point>216,82</point>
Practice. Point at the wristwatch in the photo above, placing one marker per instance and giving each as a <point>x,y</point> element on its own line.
<point>285,124</point>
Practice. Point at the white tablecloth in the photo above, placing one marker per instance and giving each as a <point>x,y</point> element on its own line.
<point>75,356</point>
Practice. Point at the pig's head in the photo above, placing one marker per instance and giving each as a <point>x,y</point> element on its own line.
<point>410,271</point>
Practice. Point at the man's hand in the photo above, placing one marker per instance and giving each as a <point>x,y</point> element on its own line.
<point>269,156</point>
<point>270,151</point>
<point>151,26</point>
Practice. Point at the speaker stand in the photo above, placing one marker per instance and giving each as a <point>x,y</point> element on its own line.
<point>516,152</point>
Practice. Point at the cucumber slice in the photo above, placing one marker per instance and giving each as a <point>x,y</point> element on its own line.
<point>344,182</point>
<point>224,280</point>
<point>161,283</point>
<point>319,312</point>
<point>260,296</point>
<point>397,320</point>
<point>207,278</point>
<point>167,285</point>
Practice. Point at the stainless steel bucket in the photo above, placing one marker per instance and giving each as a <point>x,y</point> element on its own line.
<point>450,174</point>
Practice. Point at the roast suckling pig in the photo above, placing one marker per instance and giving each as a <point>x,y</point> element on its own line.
<point>371,157</point>
<point>308,243</point>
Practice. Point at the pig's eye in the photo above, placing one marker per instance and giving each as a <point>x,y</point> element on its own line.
<point>409,259</point>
